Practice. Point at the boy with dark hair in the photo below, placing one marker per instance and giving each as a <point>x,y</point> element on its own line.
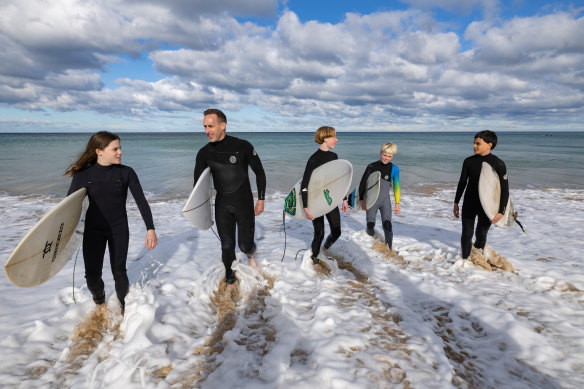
<point>484,142</point>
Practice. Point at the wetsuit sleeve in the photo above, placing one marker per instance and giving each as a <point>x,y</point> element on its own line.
<point>138,194</point>
<point>395,181</point>
<point>501,170</point>
<point>363,183</point>
<point>461,182</point>
<point>310,166</point>
<point>200,166</point>
<point>256,165</point>
<point>76,184</point>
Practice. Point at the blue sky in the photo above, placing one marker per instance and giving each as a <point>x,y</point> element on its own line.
<point>149,65</point>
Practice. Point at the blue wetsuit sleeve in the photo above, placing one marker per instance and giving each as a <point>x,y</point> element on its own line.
<point>395,181</point>
<point>138,194</point>
<point>256,165</point>
<point>462,182</point>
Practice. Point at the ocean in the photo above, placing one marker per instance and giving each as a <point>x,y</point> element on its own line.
<point>164,162</point>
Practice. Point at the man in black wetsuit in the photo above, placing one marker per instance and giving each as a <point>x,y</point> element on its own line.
<point>484,142</point>
<point>229,158</point>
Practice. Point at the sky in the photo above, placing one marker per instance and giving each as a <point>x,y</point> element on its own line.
<point>291,65</point>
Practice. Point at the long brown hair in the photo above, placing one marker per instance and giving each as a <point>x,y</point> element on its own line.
<point>100,140</point>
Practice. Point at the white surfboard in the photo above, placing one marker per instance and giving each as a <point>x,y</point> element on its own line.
<point>490,195</point>
<point>371,192</point>
<point>328,185</point>
<point>197,210</point>
<point>49,245</point>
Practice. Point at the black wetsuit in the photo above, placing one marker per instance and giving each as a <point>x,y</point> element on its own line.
<point>229,159</point>
<point>471,207</point>
<point>106,221</point>
<point>317,159</point>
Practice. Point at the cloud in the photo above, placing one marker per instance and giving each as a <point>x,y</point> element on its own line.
<point>385,66</point>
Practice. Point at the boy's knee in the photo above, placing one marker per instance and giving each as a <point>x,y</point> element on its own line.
<point>387,226</point>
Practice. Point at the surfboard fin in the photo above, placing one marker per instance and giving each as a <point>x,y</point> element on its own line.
<point>351,198</point>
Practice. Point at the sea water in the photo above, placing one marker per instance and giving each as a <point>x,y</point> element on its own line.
<point>33,164</point>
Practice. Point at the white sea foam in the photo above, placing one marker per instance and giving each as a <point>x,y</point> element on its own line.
<point>426,318</point>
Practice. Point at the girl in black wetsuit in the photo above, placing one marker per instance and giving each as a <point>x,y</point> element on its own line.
<point>326,137</point>
<point>99,170</point>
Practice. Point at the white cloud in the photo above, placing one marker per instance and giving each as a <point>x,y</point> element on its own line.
<point>400,65</point>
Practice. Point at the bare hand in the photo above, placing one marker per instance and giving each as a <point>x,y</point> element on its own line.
<point>397,209</point>
<point>497,218</point>
<point>308,214</point>
<point>456,211</point>
<point>345,206</point>
<point>151,240</point>
<point>363,205</point>
<point>259,207</point>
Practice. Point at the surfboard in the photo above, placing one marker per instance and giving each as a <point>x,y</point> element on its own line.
<point>328,185</point>
<point>49,245</point>
<point>490,195</point>
<point>371,192</point>
<point>197,210</point>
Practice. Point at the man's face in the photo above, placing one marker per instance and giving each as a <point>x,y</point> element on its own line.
<point>215,131</point>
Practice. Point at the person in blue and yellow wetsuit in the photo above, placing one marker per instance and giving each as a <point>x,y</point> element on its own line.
<point>326,137</point>
<point>484,142</point>
<point>389,177</point>
<point>99,170</point>
<point>229,158</point>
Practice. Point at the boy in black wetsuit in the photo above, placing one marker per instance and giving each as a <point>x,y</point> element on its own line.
<point>484,142</point>
<point>326,137</point>
<point>229,158</point>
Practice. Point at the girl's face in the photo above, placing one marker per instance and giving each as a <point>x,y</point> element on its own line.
<point>385,158</point>
<point>111,155</point>
<point>331,141</point>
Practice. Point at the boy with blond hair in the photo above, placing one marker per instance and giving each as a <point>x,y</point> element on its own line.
<point>389,178</point>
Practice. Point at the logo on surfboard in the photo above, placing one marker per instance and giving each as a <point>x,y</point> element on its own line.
<point>327,197</point>
<point>290,203</point>
<point>47,248</point>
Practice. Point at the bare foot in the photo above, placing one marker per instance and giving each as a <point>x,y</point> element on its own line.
<point>253,262</point>
<point>229,289</point>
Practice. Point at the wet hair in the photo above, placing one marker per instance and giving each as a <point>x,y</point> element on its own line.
<point>221,118</point>
<point>324,132</point>
<point>100,140</point>
<point>488,137</point>
<point>389,148</point>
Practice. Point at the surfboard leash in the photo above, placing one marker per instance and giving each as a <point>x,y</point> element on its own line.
<point>298,252</point>
<point>285,242</point>
<point>215,234</point>
<point>285,239</point>
<point>74,266</point>
<point>531,240</point>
